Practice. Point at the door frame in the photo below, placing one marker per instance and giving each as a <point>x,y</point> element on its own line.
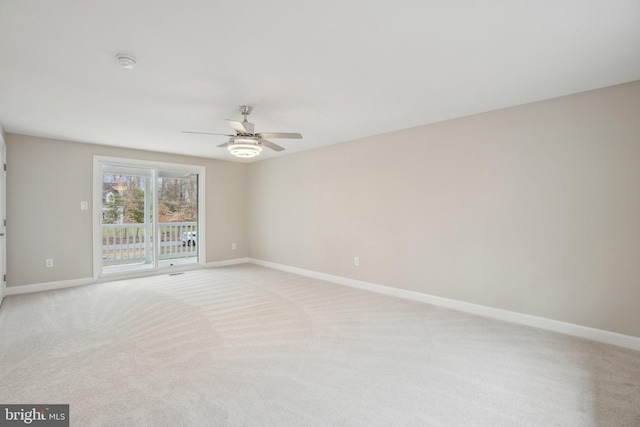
<point>98,162</point>
<point>3,215</point>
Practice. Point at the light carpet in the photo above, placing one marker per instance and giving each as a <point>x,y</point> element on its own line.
<point>250,346</point>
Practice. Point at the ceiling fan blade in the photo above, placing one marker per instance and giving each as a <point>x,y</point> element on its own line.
<point>280,135</point>
<point>226,144</point>
<point>241,127</point>
<point>206,133</point>
<point>270,144</point>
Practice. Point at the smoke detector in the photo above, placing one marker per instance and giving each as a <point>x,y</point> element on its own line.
<point>126,61</point>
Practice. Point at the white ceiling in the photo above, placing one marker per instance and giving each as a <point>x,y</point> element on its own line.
<point>333,70</point>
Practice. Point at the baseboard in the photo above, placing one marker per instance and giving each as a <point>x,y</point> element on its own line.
<point>27,289</point>
<point>600,335</point>
<point>227,262</point>
<point>594,334</point>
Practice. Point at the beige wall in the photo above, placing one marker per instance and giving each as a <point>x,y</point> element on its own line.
<point>534,209</point>
<point>47,179</point>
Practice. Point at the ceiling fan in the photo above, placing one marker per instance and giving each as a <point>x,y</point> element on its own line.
<point>246,142</point>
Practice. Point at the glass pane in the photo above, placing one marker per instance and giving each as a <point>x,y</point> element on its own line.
<point>178,216</point>
<point>127,236</point>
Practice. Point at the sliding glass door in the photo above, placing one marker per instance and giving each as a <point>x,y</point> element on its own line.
<point>148,216</point>
<point>127,219</point>
<point>177,217</point>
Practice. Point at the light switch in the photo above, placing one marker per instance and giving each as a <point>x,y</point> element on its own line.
<point>84,206</point>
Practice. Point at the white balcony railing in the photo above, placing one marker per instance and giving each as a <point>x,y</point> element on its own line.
<point>133,243</point>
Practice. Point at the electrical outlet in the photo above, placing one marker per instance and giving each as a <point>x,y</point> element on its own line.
<point>233,246</point>
<point>48,263</point>
<point>356,261</point>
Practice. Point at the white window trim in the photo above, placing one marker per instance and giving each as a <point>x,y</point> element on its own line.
<point>98,162</point>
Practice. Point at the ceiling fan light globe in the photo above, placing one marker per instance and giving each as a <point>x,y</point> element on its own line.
<point>244,150</point>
